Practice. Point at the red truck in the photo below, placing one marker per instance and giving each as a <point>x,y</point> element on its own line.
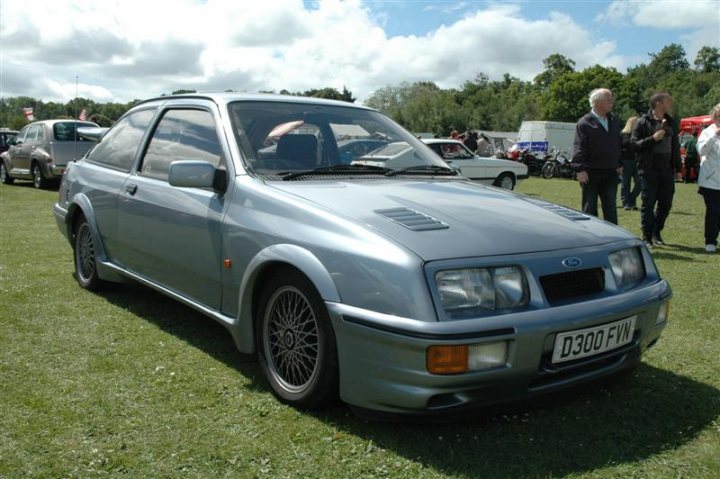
<point>688,127</point>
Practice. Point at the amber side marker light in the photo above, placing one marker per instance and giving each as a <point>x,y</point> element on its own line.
<point>447,359</point>
<point>461,358</point>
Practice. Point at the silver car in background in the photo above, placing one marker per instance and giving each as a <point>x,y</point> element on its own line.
<point>376,274</point>
<point>41,150</point>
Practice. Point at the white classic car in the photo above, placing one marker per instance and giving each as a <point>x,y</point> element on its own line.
<point>487,170</point>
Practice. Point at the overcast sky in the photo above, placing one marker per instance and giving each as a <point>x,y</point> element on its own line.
<point>129,49</point>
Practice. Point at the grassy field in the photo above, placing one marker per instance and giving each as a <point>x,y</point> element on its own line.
<point>128,383</point>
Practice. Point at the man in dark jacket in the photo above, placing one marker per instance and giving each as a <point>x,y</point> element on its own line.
<point>656,143</point>
<point>596,156</point>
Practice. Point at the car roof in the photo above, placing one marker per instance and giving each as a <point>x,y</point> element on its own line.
<point>430,141</point>
<point>61,120</point>
<point>229,97</point>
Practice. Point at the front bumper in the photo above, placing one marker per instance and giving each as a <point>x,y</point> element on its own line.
<point>60,215</point>
<point>383,358</point>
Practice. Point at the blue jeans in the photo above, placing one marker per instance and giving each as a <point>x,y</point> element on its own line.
<point>601,184</point>
<point>658,188</point>
<point>630,174</point>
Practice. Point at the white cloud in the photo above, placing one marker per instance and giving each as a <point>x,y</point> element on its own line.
<point>700,17</point>
<point>122,50</point>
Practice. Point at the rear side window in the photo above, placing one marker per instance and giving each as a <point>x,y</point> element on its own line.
<point>67,131</point>
<point>119,145</point>
<point>181,135</point>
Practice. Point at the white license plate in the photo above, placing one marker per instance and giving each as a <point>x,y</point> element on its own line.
<point>588,342</point>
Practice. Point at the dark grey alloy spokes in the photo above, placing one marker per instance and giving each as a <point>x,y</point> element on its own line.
<point>86,253</point>
<point>291,339</point>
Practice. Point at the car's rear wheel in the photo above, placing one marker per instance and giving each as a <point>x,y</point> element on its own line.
<point>86,257</point>
<point>295,342</point>
<point>506,180</point>
<point>39,180</point>
<point>4,177</point>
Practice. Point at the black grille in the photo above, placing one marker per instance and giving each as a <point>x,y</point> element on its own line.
<point>573,284</point>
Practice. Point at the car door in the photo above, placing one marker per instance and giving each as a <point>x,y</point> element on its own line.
<point>20,153</point>
<point>108,167</point>
<point>168,234</point>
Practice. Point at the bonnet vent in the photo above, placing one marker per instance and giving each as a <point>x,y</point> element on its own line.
<point>566,212</point>
<point>412,219</point>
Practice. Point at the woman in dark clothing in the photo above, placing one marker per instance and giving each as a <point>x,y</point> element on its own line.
<point>630,171</point>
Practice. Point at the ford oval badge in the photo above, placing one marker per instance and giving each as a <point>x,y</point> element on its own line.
<point>572,262</point>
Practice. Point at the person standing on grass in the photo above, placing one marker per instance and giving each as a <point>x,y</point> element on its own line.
<point>629,165</point>
<point>658,155</point>
<point>596,158</point>
<point>708,146</point>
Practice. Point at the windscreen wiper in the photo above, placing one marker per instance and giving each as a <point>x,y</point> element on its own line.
<point>424,170</point>
<point>335,169</point>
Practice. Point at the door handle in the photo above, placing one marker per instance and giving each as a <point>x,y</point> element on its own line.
<point>132,189</point>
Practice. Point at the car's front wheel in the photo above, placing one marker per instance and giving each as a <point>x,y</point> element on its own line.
<point>4,177</point>
<point>295,342</point>
<point>86,257</point>
<point>39,180</point>
<point>506,180</point>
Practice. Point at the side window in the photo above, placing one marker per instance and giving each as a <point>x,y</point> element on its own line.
<point>181,135</point>
<point>31,134</point>
<point>119,145</point>
<point>21,136</point>
<point>40,133</point>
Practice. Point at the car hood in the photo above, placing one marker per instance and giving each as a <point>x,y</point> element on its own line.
<point>454,219</point>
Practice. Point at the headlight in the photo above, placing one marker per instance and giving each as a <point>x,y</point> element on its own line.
<point>482,289</point>
<point>627,267</point>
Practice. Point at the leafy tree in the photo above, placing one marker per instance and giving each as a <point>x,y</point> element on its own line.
<point>708,60</point>
<point>556,65</point>
<point>669,60</point>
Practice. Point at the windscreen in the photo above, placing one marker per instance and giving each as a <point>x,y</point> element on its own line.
<point>280,137</point>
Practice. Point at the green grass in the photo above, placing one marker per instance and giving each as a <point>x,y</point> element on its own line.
<point>128,383</point>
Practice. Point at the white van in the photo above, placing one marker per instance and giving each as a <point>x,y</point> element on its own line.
<point>543,136</point>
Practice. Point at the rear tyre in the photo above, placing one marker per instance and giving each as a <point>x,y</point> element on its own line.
<point>86,257</point>
<point>506,180</point>
<point>296,343</point>
<point>4,177</point>
<point>39,180</point>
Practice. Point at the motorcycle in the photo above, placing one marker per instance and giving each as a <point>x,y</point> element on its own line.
<point>533,163</point>
<point>557,164</point>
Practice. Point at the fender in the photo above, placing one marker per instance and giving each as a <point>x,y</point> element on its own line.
<point>82,202</point>
<point>244,330</point>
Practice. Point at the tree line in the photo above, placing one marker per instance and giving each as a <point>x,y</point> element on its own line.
<point>558,93</point>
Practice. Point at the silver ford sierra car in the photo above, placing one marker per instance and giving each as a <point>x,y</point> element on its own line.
<point>378,275</point>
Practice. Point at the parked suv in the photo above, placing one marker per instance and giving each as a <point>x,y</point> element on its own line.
<point>41,150</point>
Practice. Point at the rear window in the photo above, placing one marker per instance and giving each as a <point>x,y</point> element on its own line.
<point>67,131</point>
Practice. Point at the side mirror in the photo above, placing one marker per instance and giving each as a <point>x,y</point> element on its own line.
<point>196,174</point>
<point>11,142</point>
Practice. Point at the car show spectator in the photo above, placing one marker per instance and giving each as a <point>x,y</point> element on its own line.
<point>483,146</point>
<point>471,141</point>
<point>596,156</point>
<point>708,146</point>
<point>657,148</point>
<point>629,165</point>
<point>691,159</point>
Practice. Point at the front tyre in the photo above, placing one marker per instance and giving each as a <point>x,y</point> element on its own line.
<point>548,169</point>
<point>85,258</point>
<point>506,181</point>
<point>296,343</point>
<point>4,177</point>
